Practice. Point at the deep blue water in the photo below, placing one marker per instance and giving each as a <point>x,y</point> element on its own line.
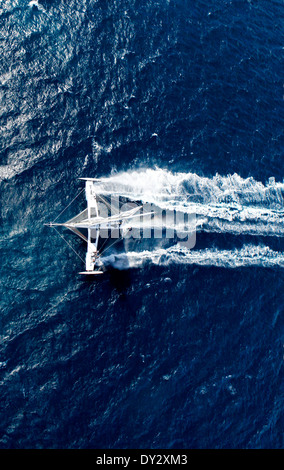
<point>168,354</point>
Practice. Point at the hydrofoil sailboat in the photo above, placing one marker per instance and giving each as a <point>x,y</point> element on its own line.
<point>92,222</point>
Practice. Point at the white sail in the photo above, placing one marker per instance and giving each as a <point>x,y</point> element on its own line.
<point>94,222</point>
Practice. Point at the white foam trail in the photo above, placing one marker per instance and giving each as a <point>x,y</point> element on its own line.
<point>229,203</point>
<point>221,204</point>
<point>158,224</point>
<point>157,185</point>
<point>248,255</point>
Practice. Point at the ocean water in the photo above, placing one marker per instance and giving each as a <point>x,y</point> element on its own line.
<point>172,102</point>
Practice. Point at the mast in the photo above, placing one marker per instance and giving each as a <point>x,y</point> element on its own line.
<point>92,206</point>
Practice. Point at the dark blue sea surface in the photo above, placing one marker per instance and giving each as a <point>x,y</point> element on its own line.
<point>176,352</point>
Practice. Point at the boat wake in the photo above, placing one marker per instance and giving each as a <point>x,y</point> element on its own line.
<point>247,256</point>
<point>221,204</point>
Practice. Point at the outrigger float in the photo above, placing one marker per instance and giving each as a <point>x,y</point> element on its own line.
<point>91,220</point>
